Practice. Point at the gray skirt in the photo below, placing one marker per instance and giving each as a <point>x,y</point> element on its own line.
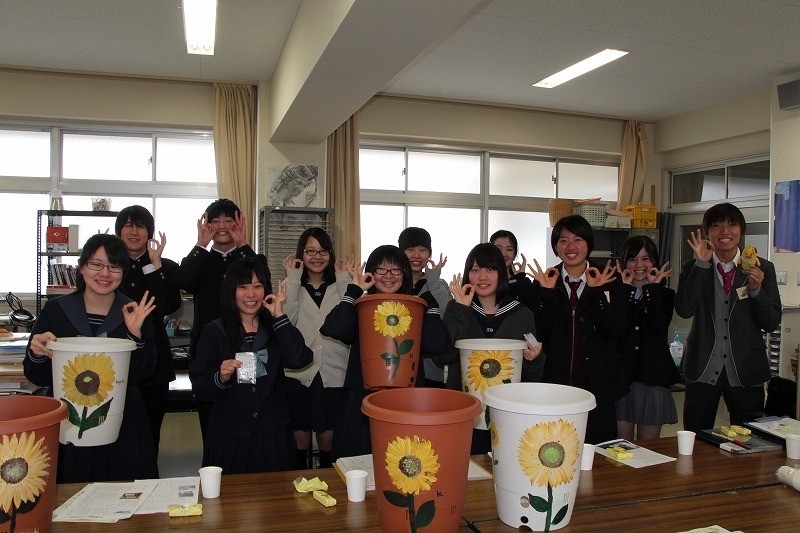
<point>647,405</point>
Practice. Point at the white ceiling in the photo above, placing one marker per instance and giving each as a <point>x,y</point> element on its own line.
<point>684,54</point>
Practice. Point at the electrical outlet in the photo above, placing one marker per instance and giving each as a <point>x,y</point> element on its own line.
<point>780,276</point>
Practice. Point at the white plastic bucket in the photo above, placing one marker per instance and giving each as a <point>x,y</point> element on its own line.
<point>486,363</point>
<point>537,432</point>
<point>91,375</point>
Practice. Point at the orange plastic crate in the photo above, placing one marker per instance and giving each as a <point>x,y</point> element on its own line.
<point>642,212</point>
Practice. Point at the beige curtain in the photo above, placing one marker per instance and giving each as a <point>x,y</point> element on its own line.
<point>234,145</point>
<point>633,164</point>
<point>342,189</point>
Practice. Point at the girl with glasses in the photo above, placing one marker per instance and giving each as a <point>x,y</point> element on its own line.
<point>387,271</point>
<point>98,309</point>
<point>315,283</point>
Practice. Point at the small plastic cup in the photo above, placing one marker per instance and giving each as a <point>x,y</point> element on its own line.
<point>210,480</point>
<point>356,485</point>
<point>685,442</point>
<point>587,458</point>
<point>793,446</point>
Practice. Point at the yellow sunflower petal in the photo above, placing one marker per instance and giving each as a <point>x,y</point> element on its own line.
<point>24,464</point>
<point>548,453</point>
<point>392,318</point>
<point>412,464</point>
<point>488,368</point>
<point>88,379</point>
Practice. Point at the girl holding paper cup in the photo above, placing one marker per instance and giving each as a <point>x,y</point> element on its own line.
<point>482,308</point>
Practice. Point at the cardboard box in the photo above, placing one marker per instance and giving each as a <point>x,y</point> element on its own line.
<point>614,221</point>
<point>57,234</point>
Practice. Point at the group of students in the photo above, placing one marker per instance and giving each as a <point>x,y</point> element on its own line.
<point>602,327</point>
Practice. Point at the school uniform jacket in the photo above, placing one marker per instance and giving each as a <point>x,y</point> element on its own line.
<point>747,320</point>
<point>644,347</point>
<point>598,323</point>
<point>242,410</point>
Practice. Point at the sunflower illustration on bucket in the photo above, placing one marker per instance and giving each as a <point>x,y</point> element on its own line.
<point>412,465</point>
<point>24,468</point>
<point>87,381</point>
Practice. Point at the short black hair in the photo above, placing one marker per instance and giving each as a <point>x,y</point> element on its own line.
<point>499,234</point>
<point>577,225</point>
<point>487,255</point>
<point>391,254</point>
<point>636,244</point>
<point>412,236</point>
<point>221,207</point>
<point>115,250</point>
<point>137,215</point>
<point>723,213</point>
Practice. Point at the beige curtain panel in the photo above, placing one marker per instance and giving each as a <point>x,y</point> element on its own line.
<point>234,145</point>
<point>633,164</point>
<point>342,189</point>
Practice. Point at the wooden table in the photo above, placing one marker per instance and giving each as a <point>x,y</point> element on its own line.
<point>709,487</point>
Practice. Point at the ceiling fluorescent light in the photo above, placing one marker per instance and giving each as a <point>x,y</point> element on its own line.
<point>199,26</point>
<point>582,67</point>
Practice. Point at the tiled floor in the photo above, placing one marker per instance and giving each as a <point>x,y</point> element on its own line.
<point>181,449</point>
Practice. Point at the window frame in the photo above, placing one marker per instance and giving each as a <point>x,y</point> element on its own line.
<point>726,164</point>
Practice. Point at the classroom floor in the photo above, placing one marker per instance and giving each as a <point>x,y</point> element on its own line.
<point>181,449</point>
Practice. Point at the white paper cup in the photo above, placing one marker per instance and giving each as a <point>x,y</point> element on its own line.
<point>685,442</point>
<point>210,479</point>
<point>792,446</point>
<point>587,457</point>
<point>356,485</point>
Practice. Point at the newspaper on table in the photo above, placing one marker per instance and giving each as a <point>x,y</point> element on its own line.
<point>110,502</point>
<point>778,426</point>
<point>641,456</point>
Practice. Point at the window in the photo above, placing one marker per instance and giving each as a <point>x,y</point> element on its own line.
<point>171,172</point>
<point>462,196</point>
<point>721,181</point>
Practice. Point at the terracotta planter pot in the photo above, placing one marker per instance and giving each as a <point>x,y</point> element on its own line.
<point>390,334</point>
<point>486,363</point>
<point>537,439</point>
<point>28,461</point>
<point>420,451</point>
<point>91,375</point>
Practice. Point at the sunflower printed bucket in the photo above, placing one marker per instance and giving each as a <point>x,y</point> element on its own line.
<point>28,461</point>
<point>421,440</point>
<point>390,333</point>
<point>537,432</point>
<point>90,374</point>
<point>486,363</point>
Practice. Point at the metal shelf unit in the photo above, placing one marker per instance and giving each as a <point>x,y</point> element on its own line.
<point>279,228</point>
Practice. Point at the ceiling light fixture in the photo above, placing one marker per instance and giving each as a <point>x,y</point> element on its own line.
<point>199,26</point>
<point>582,67</point>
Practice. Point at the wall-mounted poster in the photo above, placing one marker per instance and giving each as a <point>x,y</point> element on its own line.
<point>292,185</point>
<point>787,216</point>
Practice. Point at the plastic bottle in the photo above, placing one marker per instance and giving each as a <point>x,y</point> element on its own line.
<point>676,349</point>
<point>790,476</point>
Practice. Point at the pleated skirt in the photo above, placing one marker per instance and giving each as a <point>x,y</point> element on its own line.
<point>649,405</point>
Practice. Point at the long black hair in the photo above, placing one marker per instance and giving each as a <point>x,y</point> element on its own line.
<point>391,254</point>
<point>115,250</point>
<point>487,255</point>
<point>324,240</point>
<point>241,273</point>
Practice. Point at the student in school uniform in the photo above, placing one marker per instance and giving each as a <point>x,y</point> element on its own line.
<point>582,314</point>
<point>520,286</point>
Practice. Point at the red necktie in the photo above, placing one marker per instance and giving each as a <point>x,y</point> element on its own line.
<point>573,292</point>
<point>727,277</point>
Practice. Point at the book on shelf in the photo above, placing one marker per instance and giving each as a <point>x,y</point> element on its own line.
<point>741,444</point>
<point>364,462</point>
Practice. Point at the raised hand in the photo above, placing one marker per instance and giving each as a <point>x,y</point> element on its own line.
<point>755,276</point>
<point>205,231</point>
<point>239,230</point>
<point>155,248</point>
<point>595,278</point>
<point>365,281</point>
<point>344,265</point>
<point>530,353</point>
<point>290,262</point>
<point>462,294</point>
<point>39,344</point>
<point>656,275</point>
<point>545,278</point>
<point>626,273</point>
<point>437,266</point>
<point>703,248</point>
<point>520,266</point>
<point>274,302</point>
<point>135,313</point>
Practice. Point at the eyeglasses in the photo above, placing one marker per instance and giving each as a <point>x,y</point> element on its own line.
<point>312,253</point>
<point>393,271</point>
<point>98,266</point>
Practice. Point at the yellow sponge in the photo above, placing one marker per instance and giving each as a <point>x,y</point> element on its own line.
<point>186,510</point>
<point>302,484</point>
<point>619,453</point>
<point>324,498</point>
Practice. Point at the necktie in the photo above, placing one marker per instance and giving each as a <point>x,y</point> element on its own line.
<point>727,277</point>
<point>573,292</point>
